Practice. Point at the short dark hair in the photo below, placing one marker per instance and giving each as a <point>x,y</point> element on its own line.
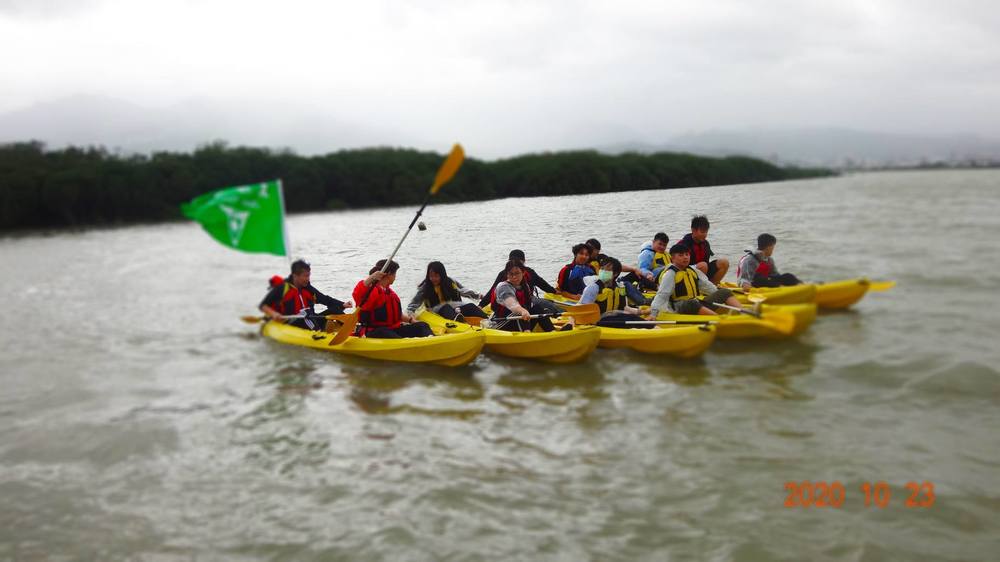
<point>616,266</point>
<point>578,247</point>
<point>662,236</point>
<point>765,240</point>
<point>699,222</point>
<point>594,243</point>
<point>679,248</point>
<point>298,266</point>
<point>516,255</point>
<point>511,264</point>
<point>393,267</point>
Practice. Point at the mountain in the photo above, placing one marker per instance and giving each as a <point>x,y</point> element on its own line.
<point>85,120</point>
<point>840,148</point>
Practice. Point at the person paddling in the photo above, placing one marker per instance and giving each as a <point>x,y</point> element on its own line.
<point>295,295</point>
<point>570,281</point>
<point>515,297</point>
<point>531,277</point>
<point>757,269</point>
<point>443,295</point>
<point>681,284</point>
<point>381,314</point>
<point>653,259</point>
<point>610,295</point>
<point>701,251</point>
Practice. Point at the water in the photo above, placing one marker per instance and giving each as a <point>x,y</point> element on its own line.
<point>139,419</point>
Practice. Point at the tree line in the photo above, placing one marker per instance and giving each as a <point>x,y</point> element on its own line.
<point>75,187</point>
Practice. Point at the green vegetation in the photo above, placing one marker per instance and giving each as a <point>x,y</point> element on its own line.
<point>76,187</point>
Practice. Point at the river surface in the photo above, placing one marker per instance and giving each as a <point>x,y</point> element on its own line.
<point>141,420</point>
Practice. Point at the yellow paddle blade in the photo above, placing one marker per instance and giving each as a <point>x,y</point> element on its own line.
<point>879,286</point>
<point>252,319</point>
<point>348,323</point>
<point>756,298</point>
<point>584,313</point>
<point>448,169</point>
<point>783,322</point>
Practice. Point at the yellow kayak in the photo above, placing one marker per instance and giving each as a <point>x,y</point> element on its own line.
<point>451,350</point>
<point>679,341</point>
<point>842,294</point>
<point>551,347</point>
<point>837,294</point>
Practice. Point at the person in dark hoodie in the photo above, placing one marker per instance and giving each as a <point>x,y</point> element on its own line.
<point>296,295</point>
<point>757,269</point>
<point>530,277</point>
<point>701,251</point>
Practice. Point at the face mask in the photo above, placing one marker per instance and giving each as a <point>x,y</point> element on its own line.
<point>605,275</point>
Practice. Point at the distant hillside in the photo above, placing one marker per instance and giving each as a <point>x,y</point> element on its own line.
<point>119,125</point>
<point>838,148</point>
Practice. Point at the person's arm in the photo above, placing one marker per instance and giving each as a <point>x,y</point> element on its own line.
<point>708,251</point>
<point>661,302</point>
<point>506,297</point>
<point>645,262</point>
<point>630,269</point>
<point>541,283</point>
<point>270,302</point>
<point>774,267</point>
<point>334,306</point>
<point>705,286</point>
<point>485,300</point>
<point>748,265</point>
<point>416,301</point>
<point>591,290</point>
<point>467,293</point>
<point>363,295</point>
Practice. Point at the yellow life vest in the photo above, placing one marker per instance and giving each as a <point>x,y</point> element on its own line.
<point>660,260</point>
<point>611,298</point>
<point>685,283</point>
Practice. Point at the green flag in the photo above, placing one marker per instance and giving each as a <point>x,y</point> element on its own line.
<point>248,217</point>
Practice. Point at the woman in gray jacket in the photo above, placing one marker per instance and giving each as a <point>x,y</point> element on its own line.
<point>442,295</point>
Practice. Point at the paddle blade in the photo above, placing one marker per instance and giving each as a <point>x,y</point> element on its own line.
<point>584,313</point>
<point>783,322</point>
<point>879,286</point>
<point>447,170</point>
<point>252,319</point>
<point>348,323</point>
<point>474,320</point>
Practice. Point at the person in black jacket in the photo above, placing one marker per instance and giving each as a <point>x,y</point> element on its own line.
<point>530,277</point>
<point>701,251</point>
<point>296,295</point>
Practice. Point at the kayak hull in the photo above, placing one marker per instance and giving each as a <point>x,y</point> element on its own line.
<point>793,294</point>
<point>551,347</point>
<point>451,350</point>
<point>679,341</point>
<point>841,294</point>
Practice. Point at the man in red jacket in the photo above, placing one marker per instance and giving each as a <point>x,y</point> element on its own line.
<point>295,295</point>
<point>380,311</point>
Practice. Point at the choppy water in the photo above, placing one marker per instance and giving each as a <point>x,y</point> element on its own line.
<point>139,419</point>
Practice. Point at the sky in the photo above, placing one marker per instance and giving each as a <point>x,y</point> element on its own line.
<point>516,76</point>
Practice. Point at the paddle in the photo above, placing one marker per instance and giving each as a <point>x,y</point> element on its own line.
<point>584,313</point>
<point>444,175</point>
<point>651,322</point>
<point>783,322</point>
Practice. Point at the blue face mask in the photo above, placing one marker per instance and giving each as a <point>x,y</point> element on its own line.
<point>605,275</point>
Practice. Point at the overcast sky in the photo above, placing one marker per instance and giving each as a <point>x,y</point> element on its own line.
<point>509,77</point>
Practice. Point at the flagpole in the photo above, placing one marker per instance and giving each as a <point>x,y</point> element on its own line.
<point>284,221</point>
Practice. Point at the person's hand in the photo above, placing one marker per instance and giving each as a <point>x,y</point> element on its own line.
<point>374,278</point>
<point>407,317</point>
<point>525,315</point>
<point>348,304</point>
<point>745,286</point>
<point>648,276</point>
<point>277,318</point>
